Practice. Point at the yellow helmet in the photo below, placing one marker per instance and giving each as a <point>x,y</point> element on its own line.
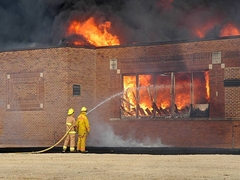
<point>84,109</point>
<point>70,111</point>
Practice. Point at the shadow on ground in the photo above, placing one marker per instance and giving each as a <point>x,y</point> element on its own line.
<point>131,150</point>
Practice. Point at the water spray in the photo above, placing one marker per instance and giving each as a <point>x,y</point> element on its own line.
<point>44,150</point>
<point>108,99</point>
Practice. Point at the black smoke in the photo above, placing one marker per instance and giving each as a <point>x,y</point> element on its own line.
<point>41,23</point>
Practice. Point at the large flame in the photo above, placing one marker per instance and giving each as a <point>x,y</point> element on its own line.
<point>207,85</point>
<point>163,85</point>
<point>130,90</point>
<point>201,30</point>
<point>229,30</point>
<point>97,35</point>
<point>147,96</point>
<point>182,90</point>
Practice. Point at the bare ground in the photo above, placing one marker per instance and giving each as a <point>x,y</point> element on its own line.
<point>118,166</point>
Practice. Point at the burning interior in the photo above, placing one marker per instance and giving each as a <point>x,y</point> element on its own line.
<point>166,95</point>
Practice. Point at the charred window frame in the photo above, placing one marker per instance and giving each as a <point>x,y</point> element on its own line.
<point>165,95</point>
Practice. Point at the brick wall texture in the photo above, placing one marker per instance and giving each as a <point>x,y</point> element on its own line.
<point>232,94</point>
<point>36,91</point>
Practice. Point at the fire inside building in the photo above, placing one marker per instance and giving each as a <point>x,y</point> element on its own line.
<point>178,94</point>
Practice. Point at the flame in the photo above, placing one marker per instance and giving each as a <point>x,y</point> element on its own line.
<point>97,35</point>
<point>207,85</point>
<point>163,97</point>
<point>201,93</point>
<point>229,30</point>
<point>129,86</point>
<point>201,21</point>
<point>201,30</point>
<point>182,90</point>
<point>146,93</point>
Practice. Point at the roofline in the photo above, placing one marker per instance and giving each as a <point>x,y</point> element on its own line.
<point>171,42</point>
<point>126,45</point>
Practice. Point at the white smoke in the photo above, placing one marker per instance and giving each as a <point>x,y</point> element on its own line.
<point>102,135</point>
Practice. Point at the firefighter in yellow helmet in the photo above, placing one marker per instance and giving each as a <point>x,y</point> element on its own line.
<point>70,123</point>
<point>83,129</point>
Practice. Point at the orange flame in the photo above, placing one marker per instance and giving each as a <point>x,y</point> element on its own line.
<point>229,30</point>
<point>129,91</point>
<point>207,85</point>
<point>97,35</point>
<point>201,31</point>
<point>201,93</point>
<point>188,89</point>
<point>145,94</point>
<point>163,98</point>
<point>201,21</point>
<point>182,90</point>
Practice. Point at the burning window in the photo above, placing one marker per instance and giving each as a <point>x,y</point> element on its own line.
<point>166,95</point>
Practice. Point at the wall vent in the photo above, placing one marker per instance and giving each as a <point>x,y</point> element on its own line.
<point>76,90</point>
<point>231,82</point>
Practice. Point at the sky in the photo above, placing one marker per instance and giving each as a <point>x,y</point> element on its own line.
<point>44,23</point>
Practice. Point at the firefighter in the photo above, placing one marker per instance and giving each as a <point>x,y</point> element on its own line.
<point>70,123</point>
<point>83,129</point>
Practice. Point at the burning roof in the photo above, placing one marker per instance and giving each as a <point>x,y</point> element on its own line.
<point>114,22</point>
<point>94,34</point>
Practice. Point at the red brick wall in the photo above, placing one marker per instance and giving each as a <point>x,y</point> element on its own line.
<point>179,133</point>
<point>215,131</point>
<point>26,125</point>
<point>190,56</point>
<point>101,89</point>
<point>232,94</point>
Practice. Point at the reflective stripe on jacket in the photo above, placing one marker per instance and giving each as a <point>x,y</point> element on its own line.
<point>70,121</point>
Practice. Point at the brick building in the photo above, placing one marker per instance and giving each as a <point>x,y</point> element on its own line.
<point>187,94</point>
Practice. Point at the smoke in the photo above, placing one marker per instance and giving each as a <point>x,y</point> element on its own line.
<point>102,135</point>
<point>42,23</point>
<point>24,24</point>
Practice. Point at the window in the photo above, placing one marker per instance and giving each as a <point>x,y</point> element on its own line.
<point>166,95</point>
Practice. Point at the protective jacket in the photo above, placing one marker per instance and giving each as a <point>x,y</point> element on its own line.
<point>83,128</point>
<point>82,124</point>
<point>70,121</point>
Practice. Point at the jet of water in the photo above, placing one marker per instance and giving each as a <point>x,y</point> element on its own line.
<point>106,100</point>
<point>103,134</point>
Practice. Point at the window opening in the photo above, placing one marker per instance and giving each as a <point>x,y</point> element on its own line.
<point>162,103</point>
<point>201,93</point>
<point>182,99</point>
<point>129,99</point>
<point>166,95</point>
<point>145,94</point>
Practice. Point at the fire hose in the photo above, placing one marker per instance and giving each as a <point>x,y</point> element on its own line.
<point>47,149</point>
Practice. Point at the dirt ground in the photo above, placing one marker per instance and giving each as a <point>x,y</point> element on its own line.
<point>118,166</point>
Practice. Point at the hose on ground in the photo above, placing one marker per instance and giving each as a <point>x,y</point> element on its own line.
<point>44,150</point>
